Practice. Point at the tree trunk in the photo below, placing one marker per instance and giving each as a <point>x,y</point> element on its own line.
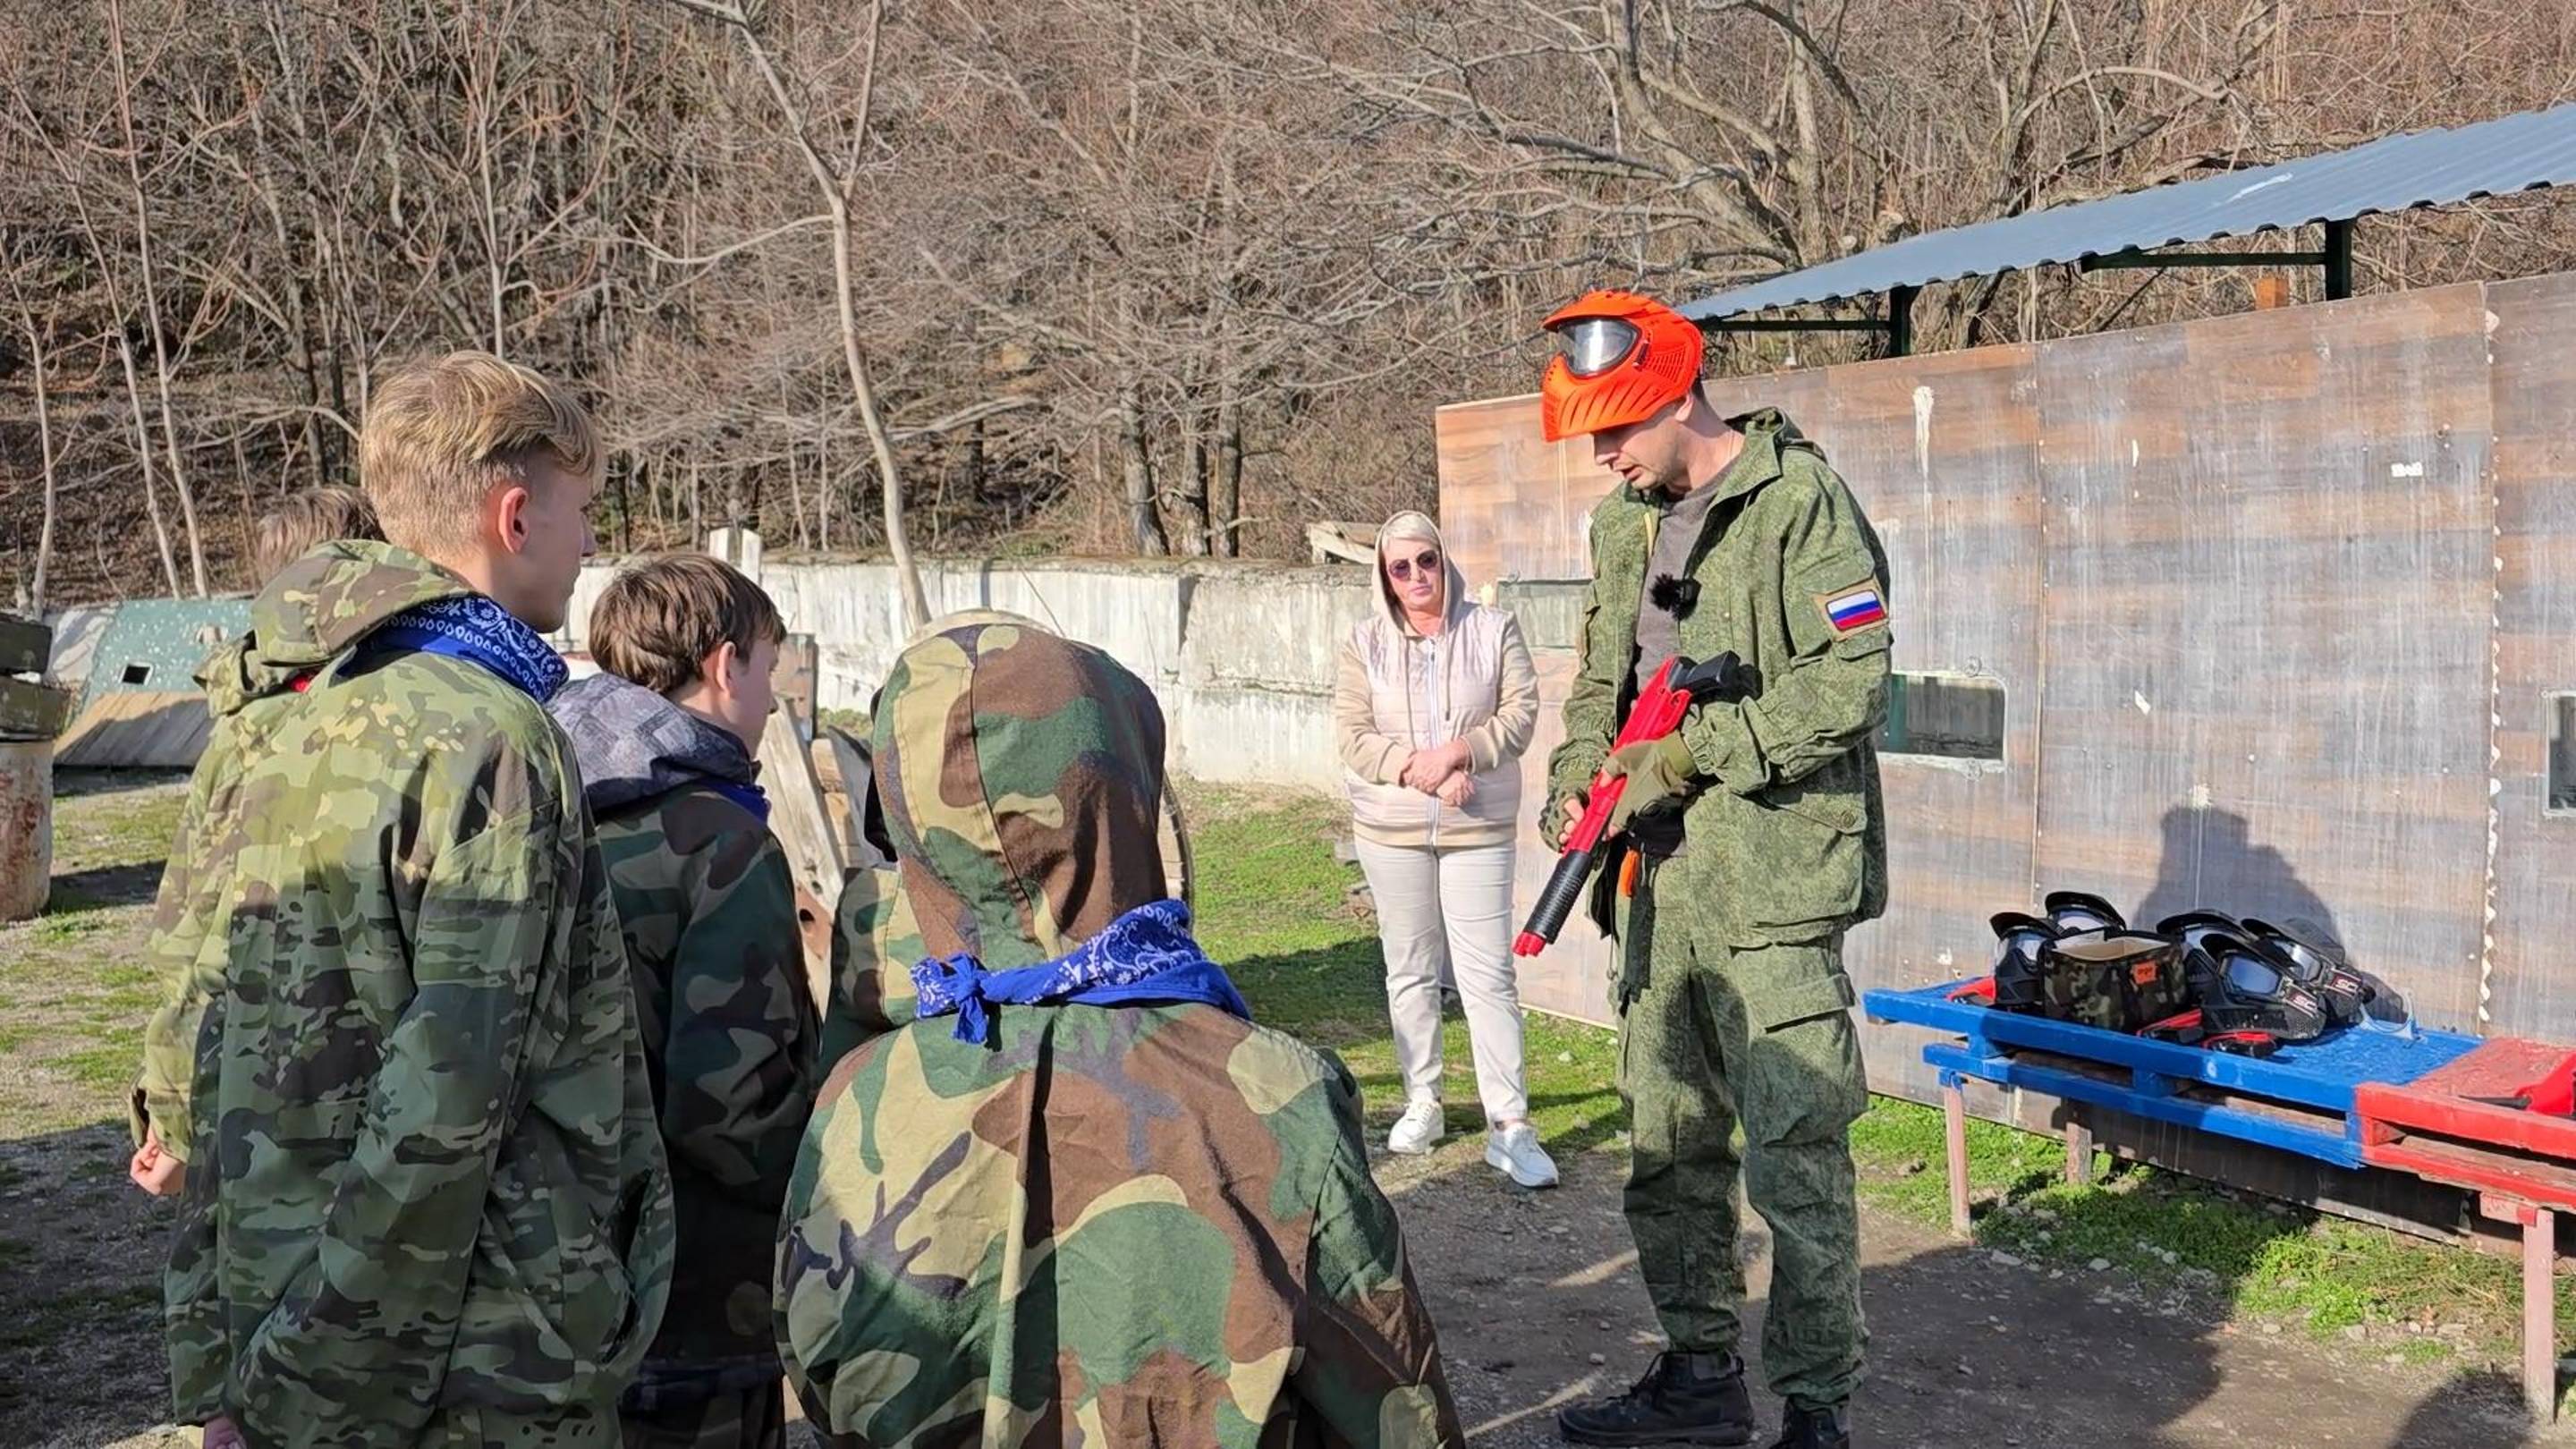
<point>152,305</point>
<point>1143,520</point>
<point>795,496</point>
<point>143,460</point>
<point>1196,522</point>
<point>1225,496</point>
<point>249,507</point>
<point>45,452</point>
<point>916,604</point>
<point>823,489</point>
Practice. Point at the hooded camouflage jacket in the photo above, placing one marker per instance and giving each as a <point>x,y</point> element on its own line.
<point>708,909</point>
<point>426,1202</point>
<point>1132,1226</point>
<point>1787,835</point>
<point>868,991</point>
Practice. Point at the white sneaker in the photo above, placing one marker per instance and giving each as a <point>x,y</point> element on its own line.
<point>1418,1129</point>
<point>1515,1151</point>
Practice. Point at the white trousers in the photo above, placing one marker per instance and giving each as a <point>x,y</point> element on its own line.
<point>1443,912</point>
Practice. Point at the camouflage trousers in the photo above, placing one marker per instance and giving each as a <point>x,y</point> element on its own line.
<point>754,1418</point>
<point>1712,1038</point>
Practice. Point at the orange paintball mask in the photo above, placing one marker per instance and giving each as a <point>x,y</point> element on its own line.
<point>1620,358</point>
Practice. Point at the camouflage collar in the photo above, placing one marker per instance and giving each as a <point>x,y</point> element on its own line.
<point>1759,461</point>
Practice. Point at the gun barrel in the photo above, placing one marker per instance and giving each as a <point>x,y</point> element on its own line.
<point>1556,903</point>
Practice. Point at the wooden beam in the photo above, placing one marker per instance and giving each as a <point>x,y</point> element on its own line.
<point>1954,1124</point>
<point>796,812</point>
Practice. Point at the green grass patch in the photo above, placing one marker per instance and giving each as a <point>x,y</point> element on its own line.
<point>1274,906</point>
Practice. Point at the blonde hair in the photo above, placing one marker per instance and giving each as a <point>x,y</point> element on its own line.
<point>441,435</point>
<point>1409,524</point>
<point>316,515</point>
<point>659,619</point>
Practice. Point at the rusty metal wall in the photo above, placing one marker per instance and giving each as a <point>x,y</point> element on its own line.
<point>2277,602</point>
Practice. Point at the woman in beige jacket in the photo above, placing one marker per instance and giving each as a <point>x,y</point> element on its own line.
<point>1433,703</point>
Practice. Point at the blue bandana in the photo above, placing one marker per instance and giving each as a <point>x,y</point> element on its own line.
<point>1145,957</point>
<point>750,797</point>
<point>475,629</point>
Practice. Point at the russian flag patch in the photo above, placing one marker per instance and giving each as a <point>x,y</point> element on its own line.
<point>1852,610</point>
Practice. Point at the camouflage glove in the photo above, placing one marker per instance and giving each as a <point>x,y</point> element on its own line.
<point>1557,821</point>
<point>1656,769</point>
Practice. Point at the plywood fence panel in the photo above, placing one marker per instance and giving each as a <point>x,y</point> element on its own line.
<point>2268,573</point>
<point>1942,453</point>
<point>2530,987</point>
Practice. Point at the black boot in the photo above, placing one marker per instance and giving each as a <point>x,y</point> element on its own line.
<point>1815,1429</point>
<point>1685,1398</point>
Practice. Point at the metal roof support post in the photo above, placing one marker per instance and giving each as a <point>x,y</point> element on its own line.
<point>2338,259</point>
<point>1900,321</point>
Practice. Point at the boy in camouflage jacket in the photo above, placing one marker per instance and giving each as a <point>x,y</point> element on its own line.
<point>427,1203</point>
<point>1079,1197</point>
<point>665,738</point>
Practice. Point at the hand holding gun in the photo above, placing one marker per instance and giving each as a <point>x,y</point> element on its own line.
<point>1668,696</point>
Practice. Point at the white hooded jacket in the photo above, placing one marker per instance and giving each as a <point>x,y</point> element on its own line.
<point>1397,691</point>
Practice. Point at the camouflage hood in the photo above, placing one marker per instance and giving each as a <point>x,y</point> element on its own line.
<point>316,610</point>
<point>633,744</point>
<point>1020,776</point>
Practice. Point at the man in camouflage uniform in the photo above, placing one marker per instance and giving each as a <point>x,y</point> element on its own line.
<point>665,737</point>
<point>1080,1197</point>
<point>427,1202</point>
<point>1762,840</point>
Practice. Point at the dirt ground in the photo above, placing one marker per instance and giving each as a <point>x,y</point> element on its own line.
<point>1539,1304</point>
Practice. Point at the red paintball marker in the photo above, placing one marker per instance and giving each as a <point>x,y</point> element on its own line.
<point>1676,686</point>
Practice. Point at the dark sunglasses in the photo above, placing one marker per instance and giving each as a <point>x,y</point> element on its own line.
<point>1428,561</point>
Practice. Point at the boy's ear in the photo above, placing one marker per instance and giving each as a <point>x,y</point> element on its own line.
<point>507,520</point>
<point>720,666</point>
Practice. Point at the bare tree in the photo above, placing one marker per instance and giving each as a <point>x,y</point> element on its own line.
<point>152,303</point>
<point>838,181</point>
<point>44,452</point>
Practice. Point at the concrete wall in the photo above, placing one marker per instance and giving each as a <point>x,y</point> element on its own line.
<point>1240,654</point>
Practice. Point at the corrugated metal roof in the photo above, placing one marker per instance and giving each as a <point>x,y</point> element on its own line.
<point>2394,173</point>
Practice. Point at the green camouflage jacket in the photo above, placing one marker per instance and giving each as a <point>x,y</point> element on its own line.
<point>874,943</point>
<point>1787,838</point>
<point>244,708</point>
<point>1133,1226</point>
<point>708,909</point>
<point>426,1201</point>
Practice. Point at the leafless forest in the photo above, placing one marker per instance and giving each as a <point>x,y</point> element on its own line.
<point>1096,276</point>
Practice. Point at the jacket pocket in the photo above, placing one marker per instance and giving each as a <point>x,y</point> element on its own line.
<point>1798,857</point>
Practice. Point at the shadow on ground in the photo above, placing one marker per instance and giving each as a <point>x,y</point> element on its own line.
<point>81,1353</point>
<point>1539,1304</point>
<point>84,784</point>
<point>104,886</point>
